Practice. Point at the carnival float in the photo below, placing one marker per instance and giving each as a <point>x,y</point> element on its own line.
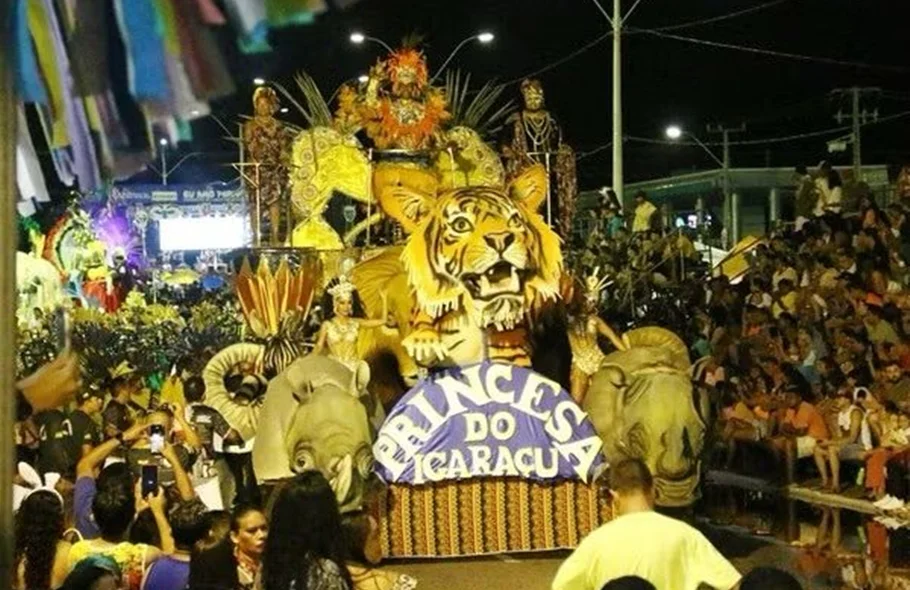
<point>433,358</point>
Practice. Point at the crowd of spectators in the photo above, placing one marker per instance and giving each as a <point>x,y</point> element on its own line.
<point>808,354</point>
<point>108,495</point>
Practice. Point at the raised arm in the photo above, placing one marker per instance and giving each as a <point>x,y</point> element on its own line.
<point>191,437</point>
<point>88,463</point>
<point>181,478</point>
<point>156,503</point>
<point>383,319</point>
<point>320,347</point>
<point>607,332</point>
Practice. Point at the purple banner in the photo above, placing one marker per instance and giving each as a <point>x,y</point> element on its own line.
<point>486,420</point>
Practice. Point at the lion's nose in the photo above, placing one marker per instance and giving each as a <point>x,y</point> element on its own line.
<point>500,241</point>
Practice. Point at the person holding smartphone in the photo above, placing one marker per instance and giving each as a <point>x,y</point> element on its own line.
<point>159,446</point>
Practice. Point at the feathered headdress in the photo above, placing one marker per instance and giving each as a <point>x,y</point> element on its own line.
<point>594,284</point>
<point>343,289</point>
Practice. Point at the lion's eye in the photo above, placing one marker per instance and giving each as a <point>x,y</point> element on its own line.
<point>461,225</point>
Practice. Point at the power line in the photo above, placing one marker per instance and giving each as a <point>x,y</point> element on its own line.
<point>561,60</point>
<point>773,53</point>
<point>767,140</point>
<point>604,37</point>
<point>714,19</point>
<point>600,148</point>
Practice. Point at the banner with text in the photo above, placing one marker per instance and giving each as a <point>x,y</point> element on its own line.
<point>486,420</point>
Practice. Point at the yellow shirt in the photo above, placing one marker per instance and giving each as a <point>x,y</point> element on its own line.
<point>667,552</point>
<point>787,304</point>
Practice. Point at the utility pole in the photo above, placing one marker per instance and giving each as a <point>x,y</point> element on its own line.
<point>617,101</point>
<point>858,117</point>
<point>730,213</point>
<point>8,298</point>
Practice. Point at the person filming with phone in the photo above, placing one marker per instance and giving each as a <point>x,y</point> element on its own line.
<point>171,450</point>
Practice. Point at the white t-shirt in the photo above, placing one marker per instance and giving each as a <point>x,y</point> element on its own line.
<point>667,552</point>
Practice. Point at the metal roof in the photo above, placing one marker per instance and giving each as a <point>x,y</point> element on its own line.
<point>740,178</point>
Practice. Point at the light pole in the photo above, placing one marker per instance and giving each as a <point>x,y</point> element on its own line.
<point>617,23</point>
<point>165,172</point>
<point>675,132</point>
<point>358,38</point>
<point>163,143</point>
<point>484,38</point>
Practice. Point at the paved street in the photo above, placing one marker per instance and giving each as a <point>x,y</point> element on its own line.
<point>527,572</point>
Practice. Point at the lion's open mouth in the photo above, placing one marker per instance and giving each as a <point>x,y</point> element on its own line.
<point>503,278</point>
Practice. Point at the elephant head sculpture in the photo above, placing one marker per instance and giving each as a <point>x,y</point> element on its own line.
<point>643,405</point>
<point>313,417</point>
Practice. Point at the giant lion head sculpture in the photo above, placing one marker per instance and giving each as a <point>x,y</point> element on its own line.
<point>643,405</point>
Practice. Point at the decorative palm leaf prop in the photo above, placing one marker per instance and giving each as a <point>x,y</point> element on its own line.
<point>476,110</point>
<point>314,108</point>
<point>266,298</point>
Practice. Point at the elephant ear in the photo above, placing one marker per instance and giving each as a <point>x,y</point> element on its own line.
<point>610,377</point>
<point>652,336</point>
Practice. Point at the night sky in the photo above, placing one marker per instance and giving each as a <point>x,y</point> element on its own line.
<point>665,81</point>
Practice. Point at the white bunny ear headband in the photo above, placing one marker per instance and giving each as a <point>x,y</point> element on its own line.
<point>31,477</point>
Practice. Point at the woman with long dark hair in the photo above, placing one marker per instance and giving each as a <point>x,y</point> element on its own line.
<point>305,549</point>
<point>231,558</point>
<point>41,556</point>
<point>364,553</point>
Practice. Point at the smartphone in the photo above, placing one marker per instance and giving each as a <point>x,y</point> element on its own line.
<point>62,329</point>
<point>156,438</point>
<point>149,479</point>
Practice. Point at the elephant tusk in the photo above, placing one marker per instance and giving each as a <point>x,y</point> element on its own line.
<point>342,478</point>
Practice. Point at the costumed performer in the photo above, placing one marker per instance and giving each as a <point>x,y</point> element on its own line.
<point>97,286</point>
<point>584,328</point>
<point>338,335</point>
<point>534,135</point>
<point>267,143</point>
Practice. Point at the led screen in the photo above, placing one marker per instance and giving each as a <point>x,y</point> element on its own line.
<point>203,233</point>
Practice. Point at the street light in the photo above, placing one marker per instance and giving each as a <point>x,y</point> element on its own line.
<point>731,204</point>
<point>162,142</point>
<point>484,37</point>
<point>259,81</point>
<point>674,132</point>
<point>363,78</point>
<point>358,38</point>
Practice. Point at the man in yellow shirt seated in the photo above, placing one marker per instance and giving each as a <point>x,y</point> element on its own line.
<point>640,542</point>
